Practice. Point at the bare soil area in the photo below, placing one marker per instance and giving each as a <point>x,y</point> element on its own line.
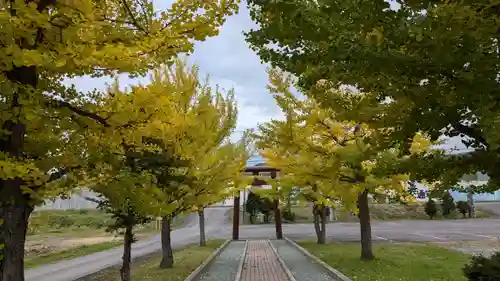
<point>486,247</point>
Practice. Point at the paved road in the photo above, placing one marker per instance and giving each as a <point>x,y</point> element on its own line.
<point>213,216</point>
<point>400,231</point>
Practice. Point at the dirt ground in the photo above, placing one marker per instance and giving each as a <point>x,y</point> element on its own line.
<point>48,243</point>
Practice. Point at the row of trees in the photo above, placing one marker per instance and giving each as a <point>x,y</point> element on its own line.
<point>378,77</point>
<point>152,150</point>
<point>448,207</point>
<point>331,161</point>
<point>175,158</point>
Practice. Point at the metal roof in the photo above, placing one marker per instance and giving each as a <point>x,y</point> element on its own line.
<point>255,160</point>
<point>258,164</point>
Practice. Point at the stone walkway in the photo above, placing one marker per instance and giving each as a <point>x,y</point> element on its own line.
<point>302,267</point>
<point>225,266</point>
<point>261,263</point>
<point>263,260</point>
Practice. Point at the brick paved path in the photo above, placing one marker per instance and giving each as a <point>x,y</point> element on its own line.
<point>261,263</point>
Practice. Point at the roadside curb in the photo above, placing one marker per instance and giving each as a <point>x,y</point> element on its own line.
<point>242,261</point>
<point>335,272</point>
<point>198,270</point>
<point>280,260</point>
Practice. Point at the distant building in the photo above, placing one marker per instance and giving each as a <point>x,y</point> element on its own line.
<point>77,201</point>
<point>475,179</point>
<point>255,160</point>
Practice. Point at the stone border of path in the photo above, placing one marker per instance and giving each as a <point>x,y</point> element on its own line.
<point>335,272</point>
<point>242,262</point>
<point>282,263</point>
<point>197,271</point>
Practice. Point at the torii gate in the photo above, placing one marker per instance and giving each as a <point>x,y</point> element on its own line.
<point>255,170</point>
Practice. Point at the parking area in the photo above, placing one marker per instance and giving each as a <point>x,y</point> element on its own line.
<point>398,231</point>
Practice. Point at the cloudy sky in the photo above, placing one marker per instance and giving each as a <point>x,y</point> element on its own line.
<point>231,64</point>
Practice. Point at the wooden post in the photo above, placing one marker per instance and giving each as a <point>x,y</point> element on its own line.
<point>236,218</point>
<point>277,213</point>
<point>277,219</point>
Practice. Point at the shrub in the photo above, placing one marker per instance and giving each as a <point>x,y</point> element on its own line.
<point>431,208</point>
<point>481,268</point>
<point>463,207</point>
<point>34,226</point>
<point>448,205</point>
<point>60,221</point>
<point>288,215</point>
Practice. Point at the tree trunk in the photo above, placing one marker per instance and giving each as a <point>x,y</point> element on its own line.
<point>266,217</point>
<point>201,216</point>
<point>167,260</point>
<point>15,209</point>
<point>128,239</point>
<point>366,229</point>
<point>236,218</point>
<point>323,226</point>
<point>316,221</point>
<point>277,220</point>
<point>470,200</point>
<point>319,215</point>
<point>14,217</point>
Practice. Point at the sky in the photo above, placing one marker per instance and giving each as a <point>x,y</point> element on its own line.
<point>230,63</point>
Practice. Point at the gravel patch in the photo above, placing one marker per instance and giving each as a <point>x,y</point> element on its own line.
<point>224,266</point>
<point>300,265</point>
<point>485,248</point>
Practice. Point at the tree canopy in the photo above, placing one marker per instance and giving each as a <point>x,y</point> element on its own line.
<point>164,135</point>
<point>331,159</point>
<point>427,66</point>
<point>43,118</point>
<point>46,42</point>
<point>334,157</point>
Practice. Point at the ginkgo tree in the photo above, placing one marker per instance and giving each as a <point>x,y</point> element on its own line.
<point>181,119</point>
<point>301,174</point>
<point>47,41</point>
<point>207,117</point>
<point>216,173</point>
<point>124,214</point>
<point>132,156</point>
<point>348,155</point>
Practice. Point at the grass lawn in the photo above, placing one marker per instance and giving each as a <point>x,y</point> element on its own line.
<point>381,212</point>
<point>394,262</point>
<point>186,260</point>
<point>80,222</point>
<point>68,254</point>
<point>378,212</point>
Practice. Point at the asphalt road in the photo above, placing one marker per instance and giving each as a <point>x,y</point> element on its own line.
<point>217,227</point>
<point>397,231</point>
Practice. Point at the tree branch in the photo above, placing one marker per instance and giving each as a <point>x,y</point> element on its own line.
<point>62,104</point>
<point>132,17</point>
<point>471,132</point>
